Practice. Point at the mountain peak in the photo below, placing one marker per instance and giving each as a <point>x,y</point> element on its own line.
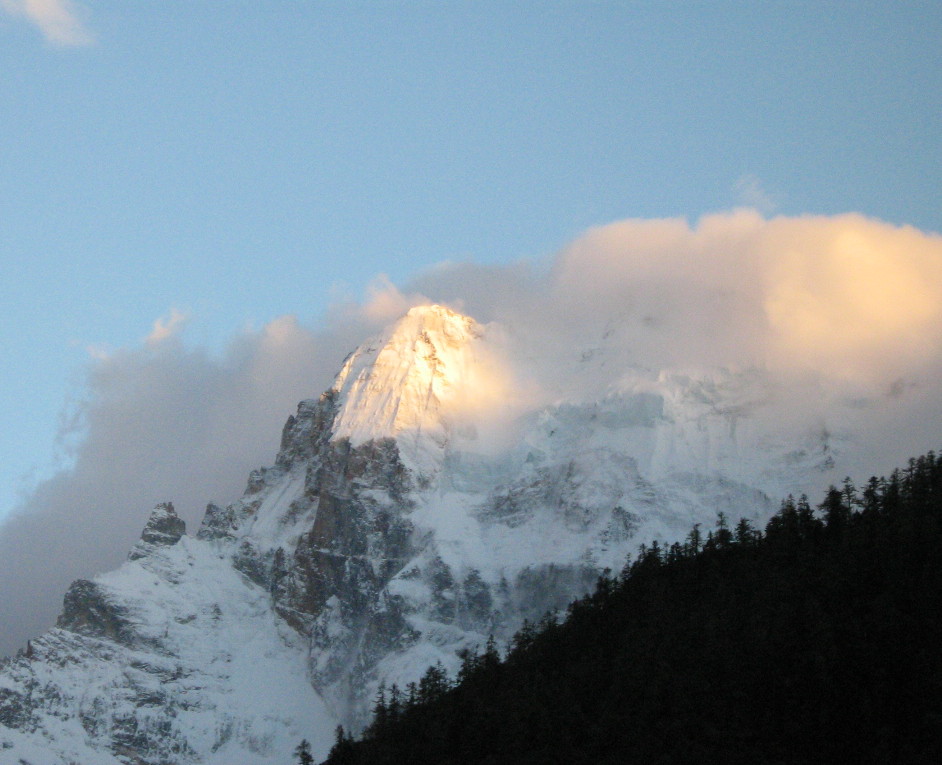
<point>164,528</point>
<point>397,384</point>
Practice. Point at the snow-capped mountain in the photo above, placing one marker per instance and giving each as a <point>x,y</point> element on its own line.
<point>394,529</point>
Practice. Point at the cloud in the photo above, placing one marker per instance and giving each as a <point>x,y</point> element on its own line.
<point>166,327</point>
<point>853,296</point>
<point>385,302</point>
<point>843,314</point>
<point>750,192</point>
<point>59,20</point>
<point>845,297</point>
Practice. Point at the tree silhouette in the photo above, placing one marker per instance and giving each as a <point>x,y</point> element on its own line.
<point>303,753</point>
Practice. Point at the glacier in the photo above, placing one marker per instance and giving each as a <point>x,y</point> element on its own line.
<point>418,506</point>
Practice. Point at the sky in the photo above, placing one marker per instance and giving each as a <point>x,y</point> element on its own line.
<point>205,206</point>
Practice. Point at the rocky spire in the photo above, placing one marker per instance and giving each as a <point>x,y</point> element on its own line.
<point>164,528</point>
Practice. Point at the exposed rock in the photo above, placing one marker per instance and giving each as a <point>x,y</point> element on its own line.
<point>164,528</point>
<point>86,610</point>
<point>218,522</point>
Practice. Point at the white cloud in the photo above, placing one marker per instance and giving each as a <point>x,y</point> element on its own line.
<point>385,303</point>
<point>842,314</point>
<point>166,327</point>
<point>60,21</point>
<point>850,306</point>
<point>846,297</point>
<point>750,192</point>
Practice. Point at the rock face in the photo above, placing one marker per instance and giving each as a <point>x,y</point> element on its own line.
<point>164,528</point>
<point>387,536</point>
<point>87,610</point>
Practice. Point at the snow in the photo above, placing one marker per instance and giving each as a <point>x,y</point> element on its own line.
<point>207,643</point>
<point>270,525</point>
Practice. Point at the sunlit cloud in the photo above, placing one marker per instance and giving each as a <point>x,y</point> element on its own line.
<point>841,315</point>
<point>60,21</point>
<point>844,295</point>
<point>853,296</point>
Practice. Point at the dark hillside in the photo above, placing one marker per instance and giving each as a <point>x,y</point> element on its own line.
<point>818,640</point>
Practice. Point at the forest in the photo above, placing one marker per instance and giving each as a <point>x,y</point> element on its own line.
<point>817,639</point>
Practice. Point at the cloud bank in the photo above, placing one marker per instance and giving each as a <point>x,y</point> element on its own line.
<point>58,20</point>
<point>845,312</point>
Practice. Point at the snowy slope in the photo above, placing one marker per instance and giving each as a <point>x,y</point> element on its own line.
<point>409,514</point>
<point>181,656</point>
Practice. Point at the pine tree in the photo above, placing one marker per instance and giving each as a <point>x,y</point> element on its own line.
<point>394,708</point>
<point>723,536</point>
<point>433,683</point>
<point>380,710</point>
<point>523,638</point>
<point>303,753</point>
<point>470,662</point>
<point>491,656</point>
<point>693,540</point>
<point>836,513</point>
<point>745,534</point>
<point>341,752</point>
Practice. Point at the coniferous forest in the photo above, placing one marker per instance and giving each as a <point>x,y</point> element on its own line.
<point>815,640</point>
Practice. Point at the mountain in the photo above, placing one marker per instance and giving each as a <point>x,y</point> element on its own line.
<point>410,513</point>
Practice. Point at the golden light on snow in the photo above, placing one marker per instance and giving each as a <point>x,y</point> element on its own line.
<point>428,380</point>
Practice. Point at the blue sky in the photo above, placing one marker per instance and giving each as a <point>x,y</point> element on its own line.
<point>239,161</point>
